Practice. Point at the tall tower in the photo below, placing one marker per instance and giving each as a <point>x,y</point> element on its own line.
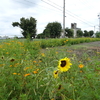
<point>63,32</point>
<point>99,21</point>
<point>74,27</point>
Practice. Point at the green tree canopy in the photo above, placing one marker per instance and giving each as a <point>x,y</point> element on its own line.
<point>70,32</point>
<point>40,36</point>
<point>98,34</point>
<point>91,33</point>
<point>79,33</point>
<point>53,30</point>
<point>86,33</point>
<point>28,26</point>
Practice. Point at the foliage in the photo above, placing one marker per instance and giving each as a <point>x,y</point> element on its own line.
<point>27,71</point>
<point>70,32</point>
<point>91,33</point>
<point>98,34</point>
<point>40,36</point>
<point>79,33</point>
<point>44,43</point>
<point>52,30</point>
<point>28,26</point>
<point>88,34</point>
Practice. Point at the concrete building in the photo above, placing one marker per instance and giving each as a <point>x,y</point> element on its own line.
<point>75,29</point>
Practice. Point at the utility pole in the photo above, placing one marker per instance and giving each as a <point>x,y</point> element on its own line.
<point>99,21</point>
<point>63,33</point>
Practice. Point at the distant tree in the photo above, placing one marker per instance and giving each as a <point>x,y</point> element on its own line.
<point>79,33</point>
<point>97,34</point>
<point>91,33</point>
<point>28,27</point>
<point>40,36</point>
<point>46,32</point>
<point>15,37</point>
<point>53,30</point>
<point>86,33</point>
<point>70,32</point>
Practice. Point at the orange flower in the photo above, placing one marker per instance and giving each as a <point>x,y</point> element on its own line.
<point>34,61</point>
<point>81,66</point>
<point>27,74</point>
<point>26,68</point>
<point>88,59</point>
<point>10,65</point>
<point>43,54</point>
<point>14,73</point>
<point>2,65</point>
<point>35,72</point>
<point>81,71</point>
<point>66,40</point>
<point>52,99</point>
<point>40,61</point>
<point>7,52</point>
<point>18,73</point>
<point>37,69</point>
<point>56,52</point>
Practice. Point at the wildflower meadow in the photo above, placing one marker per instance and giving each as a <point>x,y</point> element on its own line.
<point>49,69</point>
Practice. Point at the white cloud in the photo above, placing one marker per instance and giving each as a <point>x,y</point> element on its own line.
<point>81,12</point>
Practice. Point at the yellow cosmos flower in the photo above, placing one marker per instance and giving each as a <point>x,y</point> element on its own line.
<point>34,61</point>
<point>81,66</point>
<point>64,64</point>
<point>43,54</point>
<point>10,65</point>
<point>14,73</point>
<point>55,73</point>
<point>26,68</point>
<point>66,40</point>
<point>7,52</point>
<point>52,99</point>
<point>56,52</point>
<point>27,74</point>
<point>35,72</point>
<point>81,71</point>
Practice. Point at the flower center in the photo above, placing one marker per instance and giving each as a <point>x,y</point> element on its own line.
<point>63,63</point>
<point>56,72</point>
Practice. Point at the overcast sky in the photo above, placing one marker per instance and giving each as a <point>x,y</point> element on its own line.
<point>82,12</point>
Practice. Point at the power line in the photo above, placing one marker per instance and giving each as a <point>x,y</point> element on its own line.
<point>37,4</point>
<point>69,13</point>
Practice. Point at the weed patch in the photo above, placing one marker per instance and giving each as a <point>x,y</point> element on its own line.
<point>29,72</point>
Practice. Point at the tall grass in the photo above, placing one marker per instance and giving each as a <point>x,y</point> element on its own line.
<point>65,41</point>
<point>26,71</point>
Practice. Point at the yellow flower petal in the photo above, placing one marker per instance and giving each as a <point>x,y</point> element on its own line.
<point>64,64</point>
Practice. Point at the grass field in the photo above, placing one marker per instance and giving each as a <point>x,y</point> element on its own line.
<point>58,72</point>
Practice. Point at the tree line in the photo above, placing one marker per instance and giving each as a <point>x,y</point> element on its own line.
<point>52,30</point>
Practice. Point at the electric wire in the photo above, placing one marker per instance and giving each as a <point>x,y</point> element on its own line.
<point>72,13</point>
<point>69,13</point>
<point>39,5</point>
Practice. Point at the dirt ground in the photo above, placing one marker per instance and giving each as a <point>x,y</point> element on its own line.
<point>91,48</point>
<point>92,45</point>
